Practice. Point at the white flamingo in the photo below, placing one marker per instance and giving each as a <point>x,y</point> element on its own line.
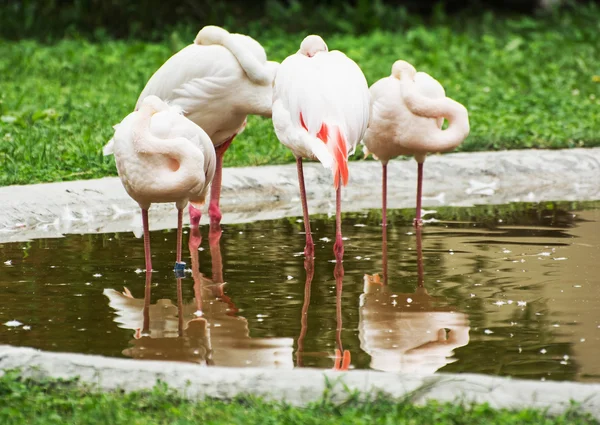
<point>162,156</point>
<point>407,113</point>
<point>321,111</point>
<point>217,81</point>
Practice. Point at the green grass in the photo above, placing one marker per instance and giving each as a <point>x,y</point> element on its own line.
<point>528,83</point>
<point>64,402</point>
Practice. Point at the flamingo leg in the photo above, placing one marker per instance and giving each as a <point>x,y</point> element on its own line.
<point>418,222</point>
<point>146,240</point>
<point>194,244</point>
<point>179,265</point>
<point>338,247</point>
<point>309,249</point>
<point>214,211</point>
<point>384,222</point>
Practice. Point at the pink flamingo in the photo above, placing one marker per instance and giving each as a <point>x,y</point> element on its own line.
<point>162,156</point>
<point>321,111</point>
<point>217,81</point>
<point>407,112</point>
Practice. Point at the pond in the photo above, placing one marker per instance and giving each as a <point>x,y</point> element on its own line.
<point>502,290</point>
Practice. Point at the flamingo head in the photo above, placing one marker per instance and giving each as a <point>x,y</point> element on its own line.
<point>154,104</point>
<point>312,45</point>
<point>403,70</point>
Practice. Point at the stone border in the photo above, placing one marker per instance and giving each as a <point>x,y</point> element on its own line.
<point>270,192</point>
<point>300,386</point>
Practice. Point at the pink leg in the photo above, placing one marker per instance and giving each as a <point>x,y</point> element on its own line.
<point>179,265</point>
<point>418,222</point>
<point>384,223</point>
<point>309,249</point>
<point>146,240</point>
<point>338,247</point>
<point>214,211</point>
<point>179,234</point>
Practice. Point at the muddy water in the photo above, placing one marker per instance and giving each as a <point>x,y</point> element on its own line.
<point>502,290</point>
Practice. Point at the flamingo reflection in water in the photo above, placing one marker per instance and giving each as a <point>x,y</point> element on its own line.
<point>408,332</point>
<point>342,359</point>
<point>205,330</point>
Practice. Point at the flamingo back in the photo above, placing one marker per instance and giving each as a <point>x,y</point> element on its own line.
<point>321,107</point>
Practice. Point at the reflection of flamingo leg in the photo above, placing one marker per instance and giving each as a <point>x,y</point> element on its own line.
<point>214,238</point>
<point>146,313</point>
<point>420,268</point>
<point>418,222</point>
<point>179,308</point>
<point>309,266</point>
<point>194,244</point>
<point>342,361</point>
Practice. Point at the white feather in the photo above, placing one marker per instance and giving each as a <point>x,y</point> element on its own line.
<point>326,88</point>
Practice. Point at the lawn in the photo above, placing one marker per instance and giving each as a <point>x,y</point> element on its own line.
<point>61,402</point>
<point>527,83</point>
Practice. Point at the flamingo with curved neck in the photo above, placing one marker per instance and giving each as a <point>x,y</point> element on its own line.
<point>217,81</point>
<point>162,157</point>
<point>408,109</point>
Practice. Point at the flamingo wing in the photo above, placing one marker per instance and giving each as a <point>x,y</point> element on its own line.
<point>321,107</point>
<point>193,77</point>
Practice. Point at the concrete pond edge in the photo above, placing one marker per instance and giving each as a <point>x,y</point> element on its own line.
<point>271,192</point>
<point>300,386</point>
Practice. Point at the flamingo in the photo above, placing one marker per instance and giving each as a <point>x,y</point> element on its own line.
<point>162,156</point>
<point>217,81</point>
<point>321,111</point>
<point>407,113</point>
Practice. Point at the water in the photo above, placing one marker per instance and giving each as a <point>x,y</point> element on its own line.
<point>504,290</point>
